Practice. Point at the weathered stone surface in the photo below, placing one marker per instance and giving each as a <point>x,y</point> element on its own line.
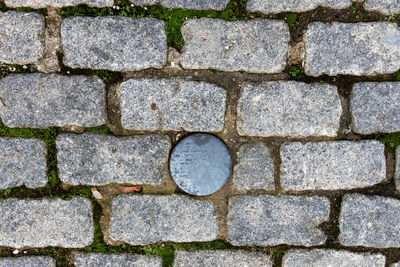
<point>46,223</point>
<point>114,43</point>
<point>172,104</point>
<point>369,221</point>
<point>332,165</point>
<point>188,4</point>
<point>221,258</point>
<point>29,261</point>
<point>41,100</point>
<point>116,259</point>
<point>255,168</point>
<point>397,169</point>
<point>332,258</point>
<point>97,159</point>
<point>274,6</point>
<point>58,3</point>
<point>22,162</point>
<point>375,107</point>
<point>21,37</point>
<point>266,220</point>
<point>387,7</point>
<point>147,219</point>
<point>288,108</point>
<point>258,45</point>
<point>352,48</point>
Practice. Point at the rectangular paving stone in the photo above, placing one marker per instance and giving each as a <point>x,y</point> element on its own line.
<point>21,37</point>
<point>221,258</point>
<point>331,258</point>
<point>332,165</point>
<point>22,162</point>
<point>359,49</point>
<point>258,45</point>
<point>255,168</point>
<point>98,159</point>
<point>386,7</point>
<point>113,43</point>
<point>115,259</point>
<point>188,4</point>
<point>278,6</point>
<point>375,107</point>
<point>266,220</point>
<point>172,104</point>
<point>369,221</point>
<point>58,3</point>
<point>287,108</point>
<point>397,169</point>
<point>46,223</point>
<point>148,219</point>
<point>44,100</point>
<point>28,261</point>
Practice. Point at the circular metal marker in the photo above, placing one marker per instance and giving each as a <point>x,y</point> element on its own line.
<point>200,164</point>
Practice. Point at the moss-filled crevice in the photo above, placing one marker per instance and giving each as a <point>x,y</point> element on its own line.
<point>7,69</point>
<point>173,18</point>
<point>4,8</point>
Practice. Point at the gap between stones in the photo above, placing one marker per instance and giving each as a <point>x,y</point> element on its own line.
<point>231,82</point>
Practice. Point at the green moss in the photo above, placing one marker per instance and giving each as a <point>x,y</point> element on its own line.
<point>173,18</point>
<point>292,19</point>
<point>392,140</point>
<point>397,76</point>
<point>7,69</point>
<point>4,8</point>
<point>42,11</point>
<point>108,76</point>
<point>100,129</point>
<point>296,72</point>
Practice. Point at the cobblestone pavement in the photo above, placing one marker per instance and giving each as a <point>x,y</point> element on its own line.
<point>95,94</point>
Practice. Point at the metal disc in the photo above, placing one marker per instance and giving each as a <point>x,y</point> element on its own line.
<point>200,164</point>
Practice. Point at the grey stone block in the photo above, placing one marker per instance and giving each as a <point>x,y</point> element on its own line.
<point>116,259</point>
<point>42,100</point>
<point>97,159</point>
<point>22,162</point>
<point>46,223</point>
<point>221,258</point>
<point>255,168</point>
<point>375,107</point>
<point>21,37</point>
<point>266,220</point>
<point>28,261</point>
<point>352,48</point>
<point>395,264</point>
<point>58,3</point>
<point>332,165</point>
<point>147,219</point>
<point>288,108</point>
<point>273,6</point>
<point>258,45</point>
<point>369,221</point>
<point>397,169</point>
<point>188,4</point>
<point>331,258</point>
<point>113,43</point>
<point>172,104</point>
<point>386,7</point>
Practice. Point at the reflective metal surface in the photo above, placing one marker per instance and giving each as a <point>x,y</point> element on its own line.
<point>200,164</point>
